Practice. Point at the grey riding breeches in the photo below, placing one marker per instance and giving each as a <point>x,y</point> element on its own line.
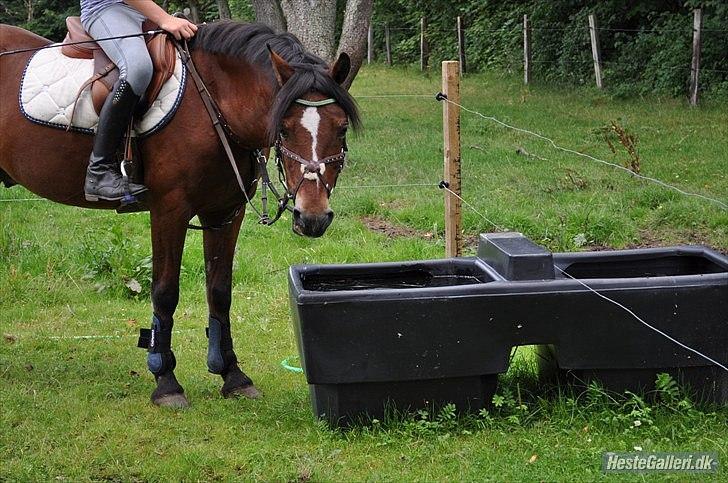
<point>130,54</point>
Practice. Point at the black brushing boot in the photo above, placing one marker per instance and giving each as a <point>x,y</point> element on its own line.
<point>103,179</point>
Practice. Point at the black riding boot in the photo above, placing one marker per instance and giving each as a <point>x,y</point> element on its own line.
<point>103,179</point>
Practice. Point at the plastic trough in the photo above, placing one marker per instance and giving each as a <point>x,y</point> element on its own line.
<point>423,333</point>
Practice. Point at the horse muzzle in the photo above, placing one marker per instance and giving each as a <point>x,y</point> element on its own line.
<point>311,225</point>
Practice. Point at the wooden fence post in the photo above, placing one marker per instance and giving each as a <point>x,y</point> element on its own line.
<point>370,44</point>
<point>424,48</point>
<point>461,45</point>
<point>451,135</point>
<point>526,50</point>
<point>386,44</point>
<point>596,52</point>
<point>695,66</point>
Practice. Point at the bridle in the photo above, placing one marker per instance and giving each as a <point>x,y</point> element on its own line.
<point>317,167</point>
<point>225,133</point>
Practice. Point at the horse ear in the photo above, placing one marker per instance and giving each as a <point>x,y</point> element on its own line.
<point>340,69</point>
<point>282,70</point>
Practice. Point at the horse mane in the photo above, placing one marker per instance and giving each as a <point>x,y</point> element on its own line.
<point>250,42</point>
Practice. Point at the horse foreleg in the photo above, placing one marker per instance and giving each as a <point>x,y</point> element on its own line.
<point>169,227</point>
<point>221,359</point>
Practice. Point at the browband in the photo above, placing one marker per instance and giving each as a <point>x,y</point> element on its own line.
<point>322,102</point>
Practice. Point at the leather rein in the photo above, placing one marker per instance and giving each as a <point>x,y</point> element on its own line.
<point>225,133</point>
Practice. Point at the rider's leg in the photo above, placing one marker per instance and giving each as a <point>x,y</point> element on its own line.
<point>103,180</point>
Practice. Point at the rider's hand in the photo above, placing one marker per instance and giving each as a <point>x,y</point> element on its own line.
<point>179,27</point>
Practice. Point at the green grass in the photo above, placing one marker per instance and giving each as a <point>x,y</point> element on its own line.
<point>79,409</point>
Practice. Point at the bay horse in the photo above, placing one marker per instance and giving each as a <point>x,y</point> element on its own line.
<point>270,91</point>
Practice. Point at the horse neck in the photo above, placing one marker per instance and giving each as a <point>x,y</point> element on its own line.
<point>243,91</point>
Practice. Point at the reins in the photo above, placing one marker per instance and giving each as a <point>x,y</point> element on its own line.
<point>225,132</point>
<point>80,42</point>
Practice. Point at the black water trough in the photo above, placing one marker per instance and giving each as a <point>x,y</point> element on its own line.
<point>425,333</point>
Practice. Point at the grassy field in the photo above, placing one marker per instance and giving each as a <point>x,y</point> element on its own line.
<point>78,409</point>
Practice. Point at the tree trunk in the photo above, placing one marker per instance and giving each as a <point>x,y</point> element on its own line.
<point>269,12</point>
<point>357,16</point>
<point>223,7</point>
<point>28,9</point>
<point>314,23</point>
<point>194,14</point>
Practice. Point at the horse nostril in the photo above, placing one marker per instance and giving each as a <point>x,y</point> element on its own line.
<point>296,215</point>
<point>330,215</point>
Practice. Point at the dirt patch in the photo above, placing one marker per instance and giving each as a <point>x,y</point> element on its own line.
<point>471,241</point>
<point>650,239</point>
<point>396,204</point>
<point>595,247</point>
<point>393,230</point>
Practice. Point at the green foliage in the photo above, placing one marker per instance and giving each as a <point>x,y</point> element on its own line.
<point>115,263</point>
<point>646,46</point>
<point>524,402</point>
<point>208,9</point>
<point>242,10</point>
<point>44,17</point>
<point>48,17</point>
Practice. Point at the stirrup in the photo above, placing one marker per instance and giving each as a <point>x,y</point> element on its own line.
<point>129,198</point>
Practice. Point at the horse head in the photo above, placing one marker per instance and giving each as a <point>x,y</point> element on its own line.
<point>310,118</point>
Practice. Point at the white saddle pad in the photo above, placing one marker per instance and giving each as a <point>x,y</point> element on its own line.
<point>52,80</point>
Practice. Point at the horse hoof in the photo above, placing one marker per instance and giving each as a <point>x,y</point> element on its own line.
<point>249,391</point>
<point>174,401</point>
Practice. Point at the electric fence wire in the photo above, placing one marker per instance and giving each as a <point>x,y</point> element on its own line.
<point>94,336</point>
<point>370,186</point>
<point>601,295</point>
<point>546,27</point>
<point>498,227</point>
<point>508,126</point>
<point>590,157</point>
<point>386,96</point>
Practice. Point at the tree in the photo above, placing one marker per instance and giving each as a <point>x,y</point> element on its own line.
<point>224,8</point>
<point>196,10</point>
<point>354,34</point>
<point>314,22</point>
<point>44,17</point>
<point>270,13</point>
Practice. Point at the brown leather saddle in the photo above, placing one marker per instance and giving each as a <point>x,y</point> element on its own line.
<point>161,50</point>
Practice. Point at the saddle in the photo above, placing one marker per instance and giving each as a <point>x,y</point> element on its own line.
<point>161,50</point>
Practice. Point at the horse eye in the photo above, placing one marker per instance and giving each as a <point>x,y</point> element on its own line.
<point>342,132</point>
<point>284,133</point>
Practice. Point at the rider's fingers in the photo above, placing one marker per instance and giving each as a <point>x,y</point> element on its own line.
<point>191,30</point>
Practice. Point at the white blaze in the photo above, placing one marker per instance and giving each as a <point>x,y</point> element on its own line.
<point>310,122</point>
